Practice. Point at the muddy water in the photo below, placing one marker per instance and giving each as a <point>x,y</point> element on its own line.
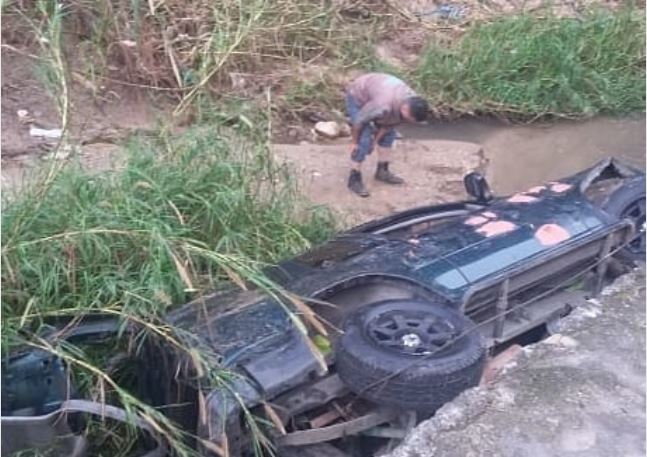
<point>521,155</point>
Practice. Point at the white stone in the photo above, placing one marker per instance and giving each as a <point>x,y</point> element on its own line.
<point>344,130</point>
<point>329,129</point>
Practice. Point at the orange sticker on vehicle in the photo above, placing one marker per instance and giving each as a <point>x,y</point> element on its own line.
<point>522,198</point>
<point>476,220</point>
<point>496,228</point>
<point>559,187</point>
<point>551,234</point>
<point>535,190</point>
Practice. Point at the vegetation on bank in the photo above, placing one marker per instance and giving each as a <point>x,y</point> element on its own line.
<point>521,65</point>
<point>533,66</point>
<point>183,214</point>
<point>181,217</point>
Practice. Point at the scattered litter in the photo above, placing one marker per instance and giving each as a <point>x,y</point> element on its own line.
<point>129,43</point>
<point>24,117</point>
<point>446,11</point>
<point>46,133</point>
<point>61,153</point>
<point>522,198</point>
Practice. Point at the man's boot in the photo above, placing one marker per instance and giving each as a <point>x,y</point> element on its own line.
<point>383,174</point>
<point>356,185</point>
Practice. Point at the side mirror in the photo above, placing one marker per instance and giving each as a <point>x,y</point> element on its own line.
<point>477,187</point>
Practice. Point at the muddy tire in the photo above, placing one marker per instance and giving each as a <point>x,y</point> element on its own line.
<point>628,201</point>
<point>407,354</point>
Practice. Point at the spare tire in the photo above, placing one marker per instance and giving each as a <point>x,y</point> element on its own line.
<point>409,354</point>
<point>628,201</point>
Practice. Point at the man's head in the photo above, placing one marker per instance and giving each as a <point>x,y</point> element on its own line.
<point>414,109</point>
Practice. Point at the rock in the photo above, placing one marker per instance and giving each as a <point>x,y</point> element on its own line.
<point>295,134</point>
<point>344,130</point>
<point>329,129</point>
<point>561,340</point>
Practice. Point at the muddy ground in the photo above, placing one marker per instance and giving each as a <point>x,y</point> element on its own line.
<point>432,159</point>
<point>433,171</point>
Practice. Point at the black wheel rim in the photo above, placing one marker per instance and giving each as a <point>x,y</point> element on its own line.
<point>636,212</point>
<point>411,333</point>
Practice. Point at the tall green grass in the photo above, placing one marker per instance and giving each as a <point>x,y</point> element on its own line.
<point>181,216</point>
<point>529,65</point>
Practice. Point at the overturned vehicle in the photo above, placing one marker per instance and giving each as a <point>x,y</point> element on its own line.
<point>410,306</point>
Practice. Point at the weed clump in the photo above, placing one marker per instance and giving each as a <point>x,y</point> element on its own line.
<point>533,66</point>
<point>182,215</point>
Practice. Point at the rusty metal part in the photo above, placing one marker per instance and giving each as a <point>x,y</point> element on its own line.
<point>602,267</point>
<point>317,394</point>
<point>325,419</point>
<point>332,432</point>
<point>397,429</point>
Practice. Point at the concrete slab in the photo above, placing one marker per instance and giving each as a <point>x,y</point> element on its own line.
<point>581,394</point>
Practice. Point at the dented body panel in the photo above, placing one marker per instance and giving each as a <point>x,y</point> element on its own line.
<point>452,258</point>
